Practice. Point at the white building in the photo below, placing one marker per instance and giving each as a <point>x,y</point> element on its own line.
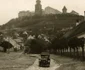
<point>74,12</point>
<point>24,14</point>
<point>49,10</point>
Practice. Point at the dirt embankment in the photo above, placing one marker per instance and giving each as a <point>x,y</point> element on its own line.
<point>68,63</point>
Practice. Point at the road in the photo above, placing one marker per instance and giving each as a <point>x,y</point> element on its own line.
<point>16,61</point>
<point>35,66</point>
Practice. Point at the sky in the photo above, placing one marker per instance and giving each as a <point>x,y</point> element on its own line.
<point>9,9</point>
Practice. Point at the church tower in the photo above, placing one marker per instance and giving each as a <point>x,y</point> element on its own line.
<point>64,10</point>
<point>38,8</point>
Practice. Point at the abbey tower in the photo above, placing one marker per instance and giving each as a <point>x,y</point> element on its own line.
<point>38,8</point>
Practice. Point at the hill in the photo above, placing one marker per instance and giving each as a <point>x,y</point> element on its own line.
<point>48,23</point>
<point>76,31</point>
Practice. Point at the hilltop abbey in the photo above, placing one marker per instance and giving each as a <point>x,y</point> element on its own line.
<point>39,11</point>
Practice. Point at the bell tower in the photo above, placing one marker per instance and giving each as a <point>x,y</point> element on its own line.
<point>64,10</point>
<point>38,8</point>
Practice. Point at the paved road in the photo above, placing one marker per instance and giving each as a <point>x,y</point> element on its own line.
<point>35,66</point>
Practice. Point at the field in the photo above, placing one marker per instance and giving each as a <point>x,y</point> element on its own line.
<point>15,61</point>
<point>19,61</point>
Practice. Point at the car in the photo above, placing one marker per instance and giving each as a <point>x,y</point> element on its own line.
<point>44,61</point>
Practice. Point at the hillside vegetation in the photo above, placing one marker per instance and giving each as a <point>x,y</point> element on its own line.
<point>43,23</point>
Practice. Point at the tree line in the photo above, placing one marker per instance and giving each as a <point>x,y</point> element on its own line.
<point>70,48</point>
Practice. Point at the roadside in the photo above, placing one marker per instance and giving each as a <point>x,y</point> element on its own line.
<point>68,63</point>
<point>15,61</point>
<point>19,61</point>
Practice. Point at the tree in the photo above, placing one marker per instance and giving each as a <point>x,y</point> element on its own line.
<point>6,45</point>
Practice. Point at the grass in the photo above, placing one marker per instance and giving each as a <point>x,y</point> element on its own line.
<point>15,61</point>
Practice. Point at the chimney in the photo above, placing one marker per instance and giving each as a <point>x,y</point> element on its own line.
<point>84,15</point>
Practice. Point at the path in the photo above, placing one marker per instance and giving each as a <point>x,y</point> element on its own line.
<point>35,66</point>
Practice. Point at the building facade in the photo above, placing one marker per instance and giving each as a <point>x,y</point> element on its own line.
<point>24,14</point>
<point>49,10</point>
<point>74,12</point>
